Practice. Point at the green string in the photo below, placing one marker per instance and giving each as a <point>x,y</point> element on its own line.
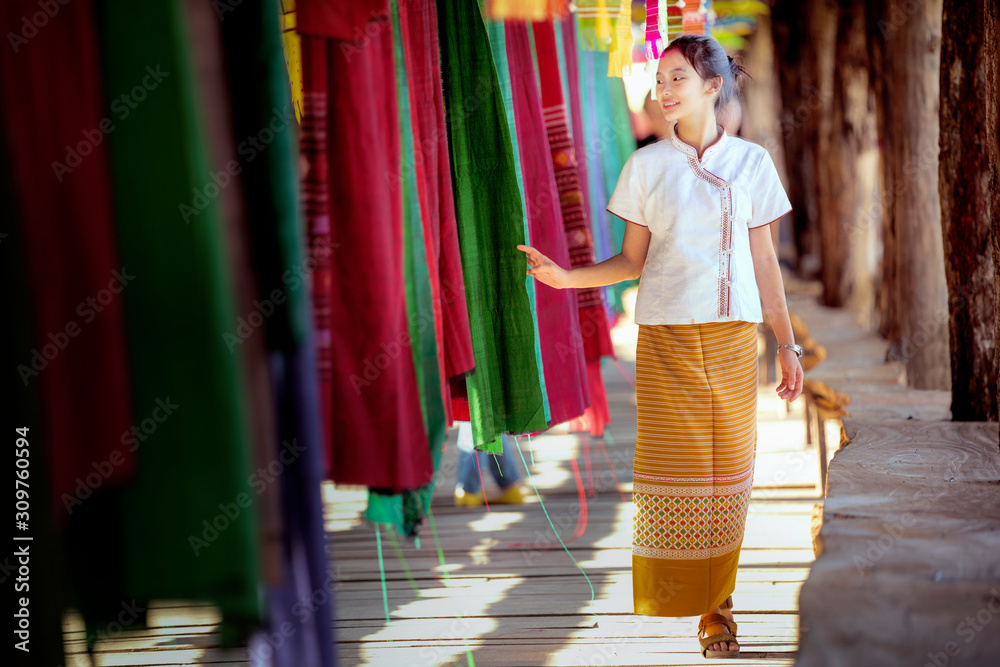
<point>498,465</point>
<point>402,561</point>
<point>552,525</point>
<point>381,571</point>
<point>444,570</point>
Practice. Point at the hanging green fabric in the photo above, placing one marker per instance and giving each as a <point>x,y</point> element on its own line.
<point>504,391</point>
<point>405,510</point>
<point>498,46</point>
<point>190,523</point>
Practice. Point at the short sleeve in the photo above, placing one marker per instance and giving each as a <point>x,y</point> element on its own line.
<point>628,199</point>
<point>768,195</point>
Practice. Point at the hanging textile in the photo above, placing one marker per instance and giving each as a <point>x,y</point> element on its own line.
<point>525,10</point>
<point>351,125</point>
<point>655,40</point>
<point>621,40</point>
<point>594,19</point>
<point>187,548</point>
<point>503,390</point>
<point>559,323</point>
<point>209,73</point>
<point>495,32</point>
<point>418,20</point>
<point>408,508</point>
<point>593,321</point>
<point>77,360</point>
<point>308,586</point>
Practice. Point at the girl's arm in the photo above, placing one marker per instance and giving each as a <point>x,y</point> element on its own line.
<point>772,292</point>
<point>626,265</point>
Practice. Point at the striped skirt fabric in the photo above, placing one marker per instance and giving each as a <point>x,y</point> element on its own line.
<point>696,396</point>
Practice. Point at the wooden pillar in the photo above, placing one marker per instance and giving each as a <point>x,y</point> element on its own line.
<point>762,104</point>
<point>850,211</point>
<point>913,300</point>
<point>967,192</point>
<point>803,100</point>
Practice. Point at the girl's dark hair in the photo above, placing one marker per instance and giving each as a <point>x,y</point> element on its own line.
<point>709,61</point>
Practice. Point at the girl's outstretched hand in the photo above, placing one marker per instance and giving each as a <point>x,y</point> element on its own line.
<point>544,269</point>
<point>791,375</point>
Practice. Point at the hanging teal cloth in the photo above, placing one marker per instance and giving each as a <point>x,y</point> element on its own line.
<point>504,390</point>
<point>498,46</point>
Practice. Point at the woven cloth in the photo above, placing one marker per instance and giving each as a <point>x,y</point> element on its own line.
<point>431,164</point>
<point>52,121</point>
<point>558,319</point>
<point>503,390</point>
<point>498,47</point>
<point>177,321</point>
<point>376,429</point>
<point>566,163</point>
<point>696,401</point>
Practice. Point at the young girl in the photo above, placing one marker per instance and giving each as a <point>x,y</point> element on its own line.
<point>698,206</point>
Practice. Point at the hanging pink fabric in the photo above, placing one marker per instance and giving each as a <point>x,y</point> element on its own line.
<point>558,323</point>
<point>654,40</point>
<point>351,125</point>
<point>56,131</point>
<point>418,20</point>
<point>567,149</point>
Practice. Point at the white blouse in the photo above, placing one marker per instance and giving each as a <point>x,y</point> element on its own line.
<point>699,214</point>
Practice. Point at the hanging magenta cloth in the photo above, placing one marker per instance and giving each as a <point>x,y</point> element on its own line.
<point>558,321</point>
<point>350,126</point>
<point>56,131</point>
<point>654,40</point>
<point>418,20</point>
<point>593,319</point>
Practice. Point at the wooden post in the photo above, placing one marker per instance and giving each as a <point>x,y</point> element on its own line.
<point>913,301</point>
<point>968,193</point>
<point>850,215</point>
<point>803,100</point>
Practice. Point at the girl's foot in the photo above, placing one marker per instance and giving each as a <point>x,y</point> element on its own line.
<point>718,629</point>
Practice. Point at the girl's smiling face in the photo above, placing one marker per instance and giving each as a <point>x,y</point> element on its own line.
<point>679,89</point>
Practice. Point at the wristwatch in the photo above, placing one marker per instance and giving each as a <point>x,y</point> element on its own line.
<point>797,349</point>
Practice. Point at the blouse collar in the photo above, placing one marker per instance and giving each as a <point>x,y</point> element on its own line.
<point>692,151</point>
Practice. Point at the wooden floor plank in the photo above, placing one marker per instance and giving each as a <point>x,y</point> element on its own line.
<point>508,593</point>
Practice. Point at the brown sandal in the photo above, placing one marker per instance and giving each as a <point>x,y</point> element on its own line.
<point>717,619</point>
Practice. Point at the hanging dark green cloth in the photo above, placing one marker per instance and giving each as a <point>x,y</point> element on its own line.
<point>190,534</point>
<point>504,391</point>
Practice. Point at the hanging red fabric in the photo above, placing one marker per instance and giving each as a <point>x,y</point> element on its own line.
<point>430,161</point>
<point>350,125</point>
<point>56,131</point>
<point>568,165</point>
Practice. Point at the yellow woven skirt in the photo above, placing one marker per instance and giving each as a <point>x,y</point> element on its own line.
<point>696,396</point>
